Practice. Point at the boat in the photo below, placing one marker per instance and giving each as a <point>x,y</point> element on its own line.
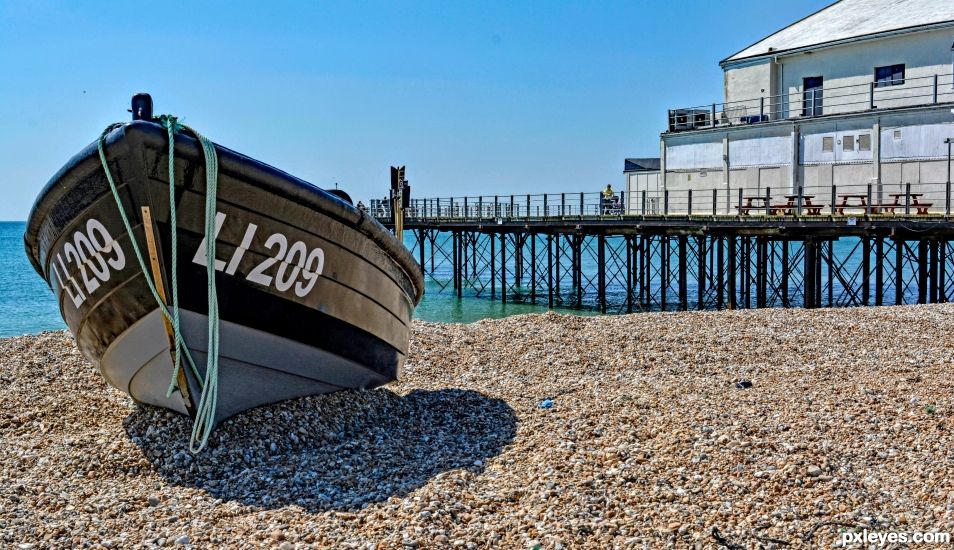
<point>304,293</point>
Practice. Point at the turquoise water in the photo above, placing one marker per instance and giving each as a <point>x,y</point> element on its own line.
<point>445,307</point>
<point>27,306</point>
<point>26,303</point>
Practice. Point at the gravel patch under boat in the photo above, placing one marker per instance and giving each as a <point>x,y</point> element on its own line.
<point>770,428</point>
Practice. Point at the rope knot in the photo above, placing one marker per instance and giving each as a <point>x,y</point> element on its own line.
<point>171,123</point>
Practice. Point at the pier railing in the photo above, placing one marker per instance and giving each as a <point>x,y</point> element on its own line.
<point>815,102</point>
<point>891,200</point>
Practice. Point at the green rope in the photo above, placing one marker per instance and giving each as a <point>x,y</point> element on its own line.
<point>172,126</point>
<point>205,414</point>
<point>135,246</point>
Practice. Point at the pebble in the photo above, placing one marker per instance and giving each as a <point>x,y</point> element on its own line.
<point>652,444</point>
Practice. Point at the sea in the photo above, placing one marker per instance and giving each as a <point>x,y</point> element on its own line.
<point>28,306</point>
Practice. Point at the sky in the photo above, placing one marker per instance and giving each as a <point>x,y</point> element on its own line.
<point>473,97</point>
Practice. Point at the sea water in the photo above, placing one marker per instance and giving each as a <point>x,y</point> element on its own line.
<point>27,305</point>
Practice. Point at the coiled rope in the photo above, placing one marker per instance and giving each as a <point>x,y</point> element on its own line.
<point>205,413</point>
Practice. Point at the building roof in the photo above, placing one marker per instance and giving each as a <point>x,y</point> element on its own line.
<point>641,165</point>
<point>849,20</point>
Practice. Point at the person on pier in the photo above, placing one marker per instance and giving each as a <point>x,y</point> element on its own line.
<point>610,201</point>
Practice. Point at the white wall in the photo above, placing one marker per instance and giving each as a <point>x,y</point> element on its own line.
<point>758,148</point>
<point>636,184</point>
<point>845,137</point>
<point>924,54</point>
<point>760,157</point>
<point>744,86</point>
<point>849,67</point>
<point>915,141</point>
<point>693,152</point>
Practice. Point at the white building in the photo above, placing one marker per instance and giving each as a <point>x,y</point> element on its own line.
<point>642,179</point>
<point>858,93</point>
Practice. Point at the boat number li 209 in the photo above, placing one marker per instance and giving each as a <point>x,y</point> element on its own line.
<point>95,252</point>
<point>298,266</point>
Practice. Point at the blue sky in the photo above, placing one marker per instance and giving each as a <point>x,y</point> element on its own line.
<point>474,97</point>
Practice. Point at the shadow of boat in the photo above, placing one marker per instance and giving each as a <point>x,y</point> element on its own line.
<point>337,451</point>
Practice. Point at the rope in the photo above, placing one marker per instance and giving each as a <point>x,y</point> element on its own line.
<point>142,263</point>
<point>205,414</point>
<point>172,126</point>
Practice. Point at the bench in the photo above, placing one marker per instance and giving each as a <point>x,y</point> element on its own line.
<point>790,209</point>
<point>744,209</point>
<point>783,209</point>
<point>921,208</point>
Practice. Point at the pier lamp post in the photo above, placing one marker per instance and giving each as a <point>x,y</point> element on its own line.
<point>947,189</point>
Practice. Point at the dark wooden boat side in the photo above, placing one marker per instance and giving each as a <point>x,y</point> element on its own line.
<point>354,323</point>
<point>83,179</point>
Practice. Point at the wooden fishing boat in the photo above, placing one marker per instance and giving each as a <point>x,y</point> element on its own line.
<point>312,294</point>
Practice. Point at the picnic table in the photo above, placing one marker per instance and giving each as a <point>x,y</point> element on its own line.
<point>846,197</point>
<point>791,204</point>
<point>750,198</point>
<point>752,202</point>
<point>758,202</point>
<point>914,196</point>
<point>922,207</point>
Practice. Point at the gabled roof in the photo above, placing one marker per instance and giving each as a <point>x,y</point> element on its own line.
<point>641,165</point>
<point>848,20</point>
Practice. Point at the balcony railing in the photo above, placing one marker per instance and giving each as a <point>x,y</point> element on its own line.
<point>921,200</point>
<point>815,102</point>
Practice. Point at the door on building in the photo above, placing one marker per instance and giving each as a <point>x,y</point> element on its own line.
<point>812,96</point>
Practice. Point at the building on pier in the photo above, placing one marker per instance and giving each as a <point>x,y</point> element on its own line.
<point>852,103</point>
<point>642,175</point>
<point>859,93</point>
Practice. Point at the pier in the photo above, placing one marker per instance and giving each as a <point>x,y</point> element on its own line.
<point>720,248</point>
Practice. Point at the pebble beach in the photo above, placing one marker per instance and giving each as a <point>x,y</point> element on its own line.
<point>738,429</point>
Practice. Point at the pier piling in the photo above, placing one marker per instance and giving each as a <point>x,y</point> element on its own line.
<point>619,265</point>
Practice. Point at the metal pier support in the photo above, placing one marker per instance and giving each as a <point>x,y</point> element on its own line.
<point>628,267</point>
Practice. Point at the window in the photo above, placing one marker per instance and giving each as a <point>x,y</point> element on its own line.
<point>897,135</point>
<point>828,144</point>
<point>892,75</point>
<point>864,142</point>
<point>812,96</point>
<point>848,143</point>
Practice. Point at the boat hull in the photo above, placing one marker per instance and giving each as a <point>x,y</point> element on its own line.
<point>313,295</point>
